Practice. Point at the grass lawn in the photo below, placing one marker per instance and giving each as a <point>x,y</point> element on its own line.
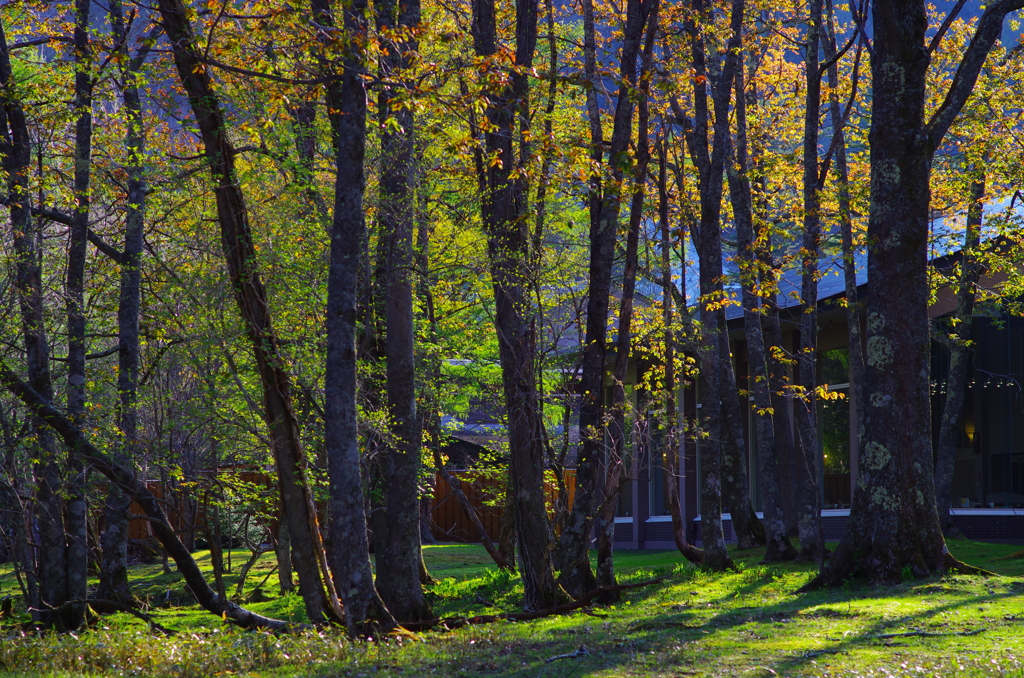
<point>746,623</point>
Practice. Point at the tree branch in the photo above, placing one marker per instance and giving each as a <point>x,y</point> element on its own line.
<point>105,247</point>
<point>989,28</point>
<point>946,23</point>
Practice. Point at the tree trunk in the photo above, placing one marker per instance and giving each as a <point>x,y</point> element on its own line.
<point>779,546</point>
<point>77,553</point>
<point>812,539</point>
<point>283,549</point>
<point>778,382</point>
<point>114,540</point>
<point>575,574</point>
<point>614,463</point>
<point>673,437</point>
<point>736,484</point>
<point>240,255</point>
<point>853,306</point>
<point>17,144</point>
<point>736,481</point>
<point>893,524</point>
<point>508,247</point>
<point>211,526</point>
<point>959,356</point>
<point>707,237</point>
<point>346,105</point>
<point>400,558</point>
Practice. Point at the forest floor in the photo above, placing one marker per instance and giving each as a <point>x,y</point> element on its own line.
<point>746,623</point>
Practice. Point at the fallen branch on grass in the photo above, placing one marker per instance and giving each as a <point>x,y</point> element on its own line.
<point>565,608</point>
<point>580,652</point>
<point>925,634</point>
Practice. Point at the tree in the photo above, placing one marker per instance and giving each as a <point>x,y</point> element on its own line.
<point>251,296</point>
<point>893,523</point>
<point>674,429</point>
<point>605,200</point>
<point>853,306</point>
<point>812,539</point>
<point>615,456</point>
<point>779,547</point>
<point>349,554</point>
<point>503,206</point>
<point>400,559</point>
<point>114,540</point>
<point>716,362</point>
<point>77,553</point>
<point>16,150</point>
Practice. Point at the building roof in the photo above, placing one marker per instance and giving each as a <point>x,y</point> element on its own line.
<point>831,284</point>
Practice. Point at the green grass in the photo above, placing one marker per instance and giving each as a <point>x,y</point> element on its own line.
<point>746,623</point>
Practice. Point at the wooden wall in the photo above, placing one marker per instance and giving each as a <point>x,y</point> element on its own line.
<point>485,492</point>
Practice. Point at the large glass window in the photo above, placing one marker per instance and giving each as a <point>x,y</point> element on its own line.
<point>659,479</point>
<point>835,429</point>
<point>988,470</point>
<point>624,506</point>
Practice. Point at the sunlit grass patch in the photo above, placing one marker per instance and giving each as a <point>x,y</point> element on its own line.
<point>748,622</point>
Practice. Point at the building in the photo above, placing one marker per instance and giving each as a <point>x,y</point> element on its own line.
<point>988,484</point>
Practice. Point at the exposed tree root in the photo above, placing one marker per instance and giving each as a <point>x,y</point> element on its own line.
<point>830,577</point>
<point>955,565</point>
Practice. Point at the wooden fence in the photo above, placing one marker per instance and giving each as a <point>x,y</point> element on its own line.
<point>185,519</point>
<point>485,491</point>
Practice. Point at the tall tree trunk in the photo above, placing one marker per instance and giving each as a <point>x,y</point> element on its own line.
<point>575,574</point>
<point>735,479</point>
<point>959,355</point>
<point>51,562</point>
<point>346,105</point>
<point>707,236</point>
<point>240,255</point>
<point>399,561</point>
<point>853,306</point>
<point>508,247</point>
<point>812,539</point>
<point>114,540</point>
<point>77,553</point>
<point>779,546</point>
<point>614,462</point>
<point>779,382</point>
<point>893,522</point>
<point>673,432</point>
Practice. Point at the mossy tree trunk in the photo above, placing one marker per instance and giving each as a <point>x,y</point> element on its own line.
<point>893,525</point>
